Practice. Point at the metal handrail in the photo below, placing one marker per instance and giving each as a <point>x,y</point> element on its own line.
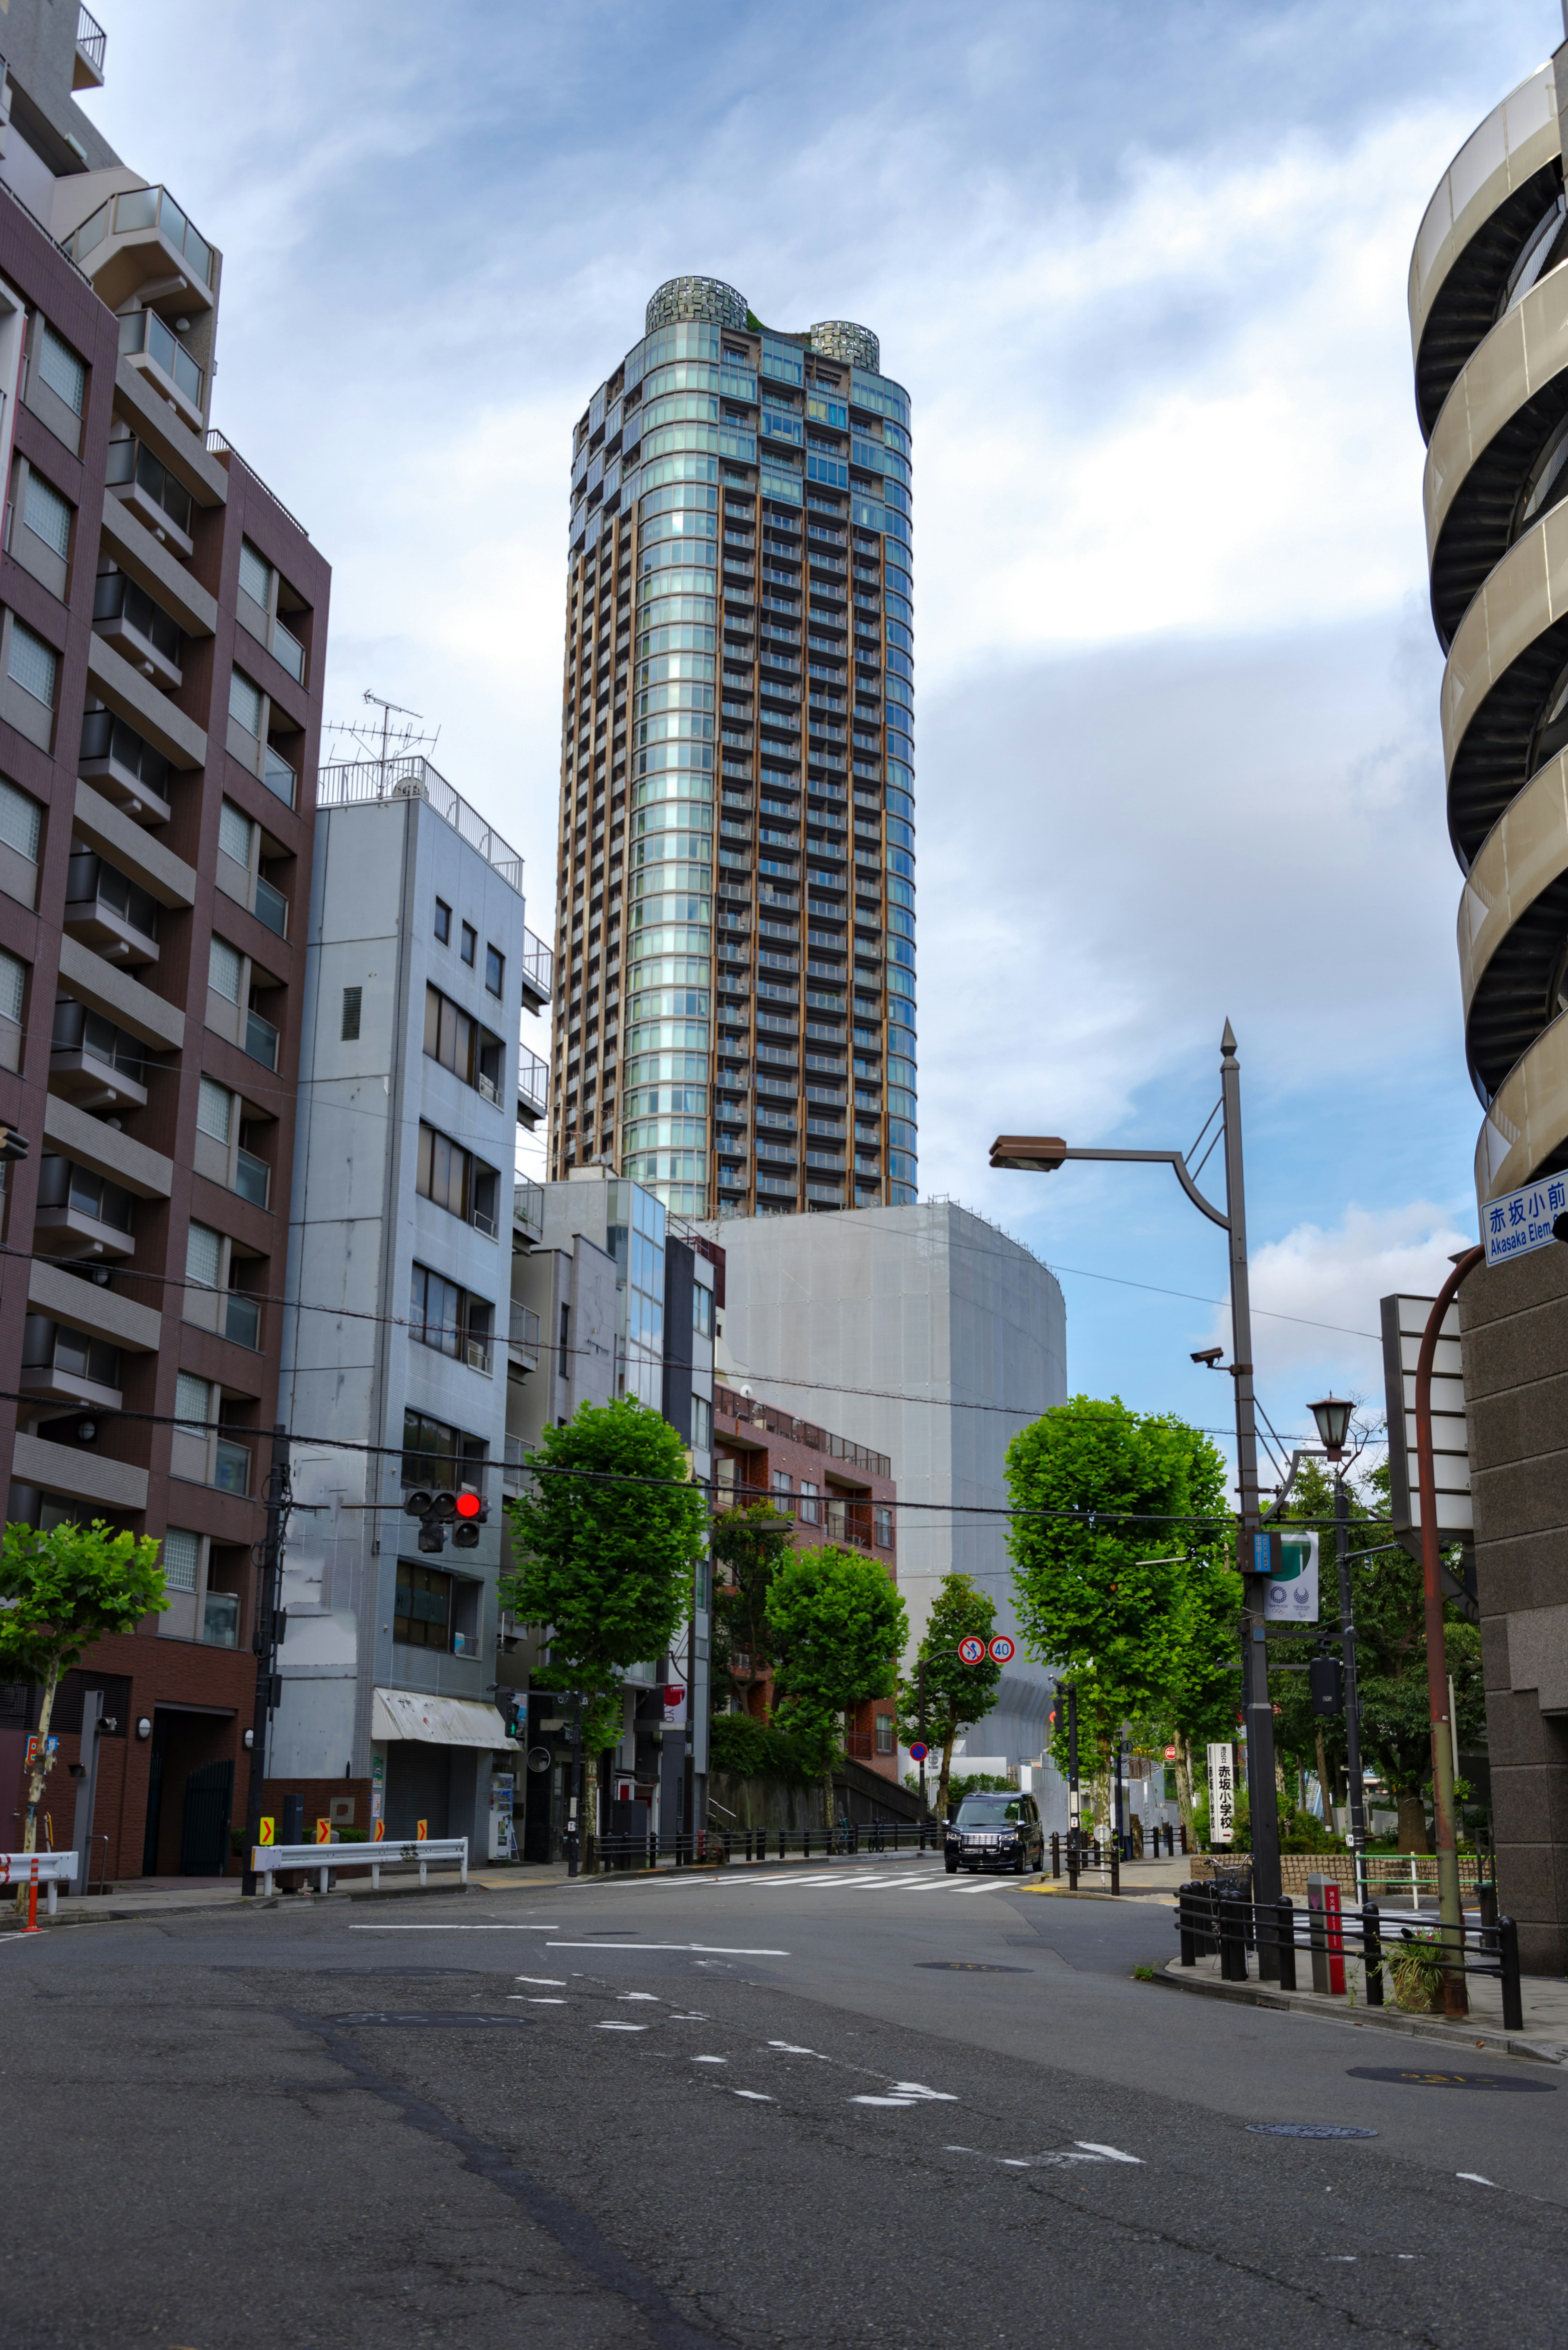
<point>363,782</point>
<point>217,446</point>
<point>91,39</point>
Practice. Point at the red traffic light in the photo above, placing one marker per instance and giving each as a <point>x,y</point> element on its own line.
<point>468,1506</point>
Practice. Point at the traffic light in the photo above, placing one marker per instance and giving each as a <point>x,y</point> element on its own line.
<point>1325,1680</point>
<point>434,1513</point>
<point>471,1509</point>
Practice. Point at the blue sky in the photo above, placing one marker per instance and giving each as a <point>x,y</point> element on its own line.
<point>1142,268</point>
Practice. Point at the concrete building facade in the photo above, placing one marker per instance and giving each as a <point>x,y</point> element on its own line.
<point>397,1352</point>
<point>162,649</point>
<point>735,947</point>
<point>929,1337</point>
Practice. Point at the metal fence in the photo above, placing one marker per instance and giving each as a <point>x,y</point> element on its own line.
<point>1219,1920</point>
<point>722,1847</point>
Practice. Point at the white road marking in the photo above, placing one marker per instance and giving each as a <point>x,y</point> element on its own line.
<point>454,1929</point>
<point>621,2027</point>
<point>755,2095</point>
<point>531,1999</point>
<point>634,1994</point>
<point>1475,2177</point>
<point>1111,2153</point>
<point>788,2048</point>
<point>884,2101</point>
<point>710,2060</point>
<point>550,1982</point>
<point>720,1950</point>
<point>938,2098</point>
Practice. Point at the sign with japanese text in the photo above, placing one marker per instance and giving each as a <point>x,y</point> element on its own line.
<point>675,1705</point>
<point>1522,1221</point>
<point>1222,1795</point>
<point>1291,1596</point>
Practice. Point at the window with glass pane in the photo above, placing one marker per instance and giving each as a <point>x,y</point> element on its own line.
<point>13,986</point>
<point>255,574</point>
<point>437,1455</point>
<point>33,664</point>
<point>181,1559</point>
<point>883,1733</point>
<point>226,969</point>
<point>221,1618</point>
<point>494,970</point>
<point>436,1314</point>
<point>421,1614</point>
<point>60,368</point>
<point>21,821</point>
<point>203,1254</point>
<point>235,833</point>
<point>701,1424</point>
<point>214,1109</point>
<point>230,1467</point>
<point>48,515</point>
<point>193,1399</point>
<point>245,703</point>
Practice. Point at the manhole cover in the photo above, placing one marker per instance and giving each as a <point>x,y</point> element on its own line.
<point>969,1966</point>
<point>1306,2129</point>
<point>437,2022</point>
<point>1423,2079</point>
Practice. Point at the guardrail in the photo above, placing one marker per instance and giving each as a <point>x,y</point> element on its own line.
<point>720,1847</point>
<point>1214,1919</point>
<point>270,1861</point>
<point>30,1869</point>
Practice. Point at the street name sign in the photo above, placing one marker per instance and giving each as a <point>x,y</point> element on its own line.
<point>1221,1795</point>
<point>1522,1221</point>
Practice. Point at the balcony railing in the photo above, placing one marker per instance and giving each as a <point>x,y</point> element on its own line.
<point>528,1206</point>
<point>365,781</point>
<point>230,1467</point>
<point>145,332</point>
<point>252,1177</point>
<point>135,208</point>
<point>801,1431</point>
<point>533,1086</point>
<point>523,1337</point>
<point>513,1474</point>
<point>261,1040</point>
<point>538,972</point>
<point>221,1618</point>
<point>271,908</point>
<point>241,1320</point>
<point>278,776</point>
<point>92,41</point>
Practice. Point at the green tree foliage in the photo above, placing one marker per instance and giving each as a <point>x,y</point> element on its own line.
<point>838,1630</point>
<point>957,1695</point>
<point>1388,1603</point>
<point>604,1555</point>
<point>59,1592</point>
<point>752,1748</point>
<point>747,1546</point>
<point>1127,1596</point>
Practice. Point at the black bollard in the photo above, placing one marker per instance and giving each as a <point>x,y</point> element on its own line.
<point>1285,1914</point>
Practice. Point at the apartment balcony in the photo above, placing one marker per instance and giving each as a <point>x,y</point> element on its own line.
<point>126,617</point>
<point>242,1323</point>
<point>253,1179</point>
<point>124,767</point>
<point>109,913</point>
<point>523,1338</point>
<point>144,484</point>
<point>94,1064</point>
<point>514,1469</point>
<point>63,1365</point>
<point>528,1212</point>
<point>538,973</point>
<point>136,243</point>
<point>92,42</point>
<point>532,1088</point>
<point>262,1040</point>
<point>154,350</point>
<point>80,1213</point>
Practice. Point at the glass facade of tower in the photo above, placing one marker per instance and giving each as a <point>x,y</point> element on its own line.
<point>735,1000</point>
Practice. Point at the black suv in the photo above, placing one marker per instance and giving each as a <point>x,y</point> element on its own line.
<point>995,1832</point>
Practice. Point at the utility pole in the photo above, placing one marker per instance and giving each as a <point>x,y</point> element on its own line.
<point>574,1825</point>
<point>920,1686</point>
<point>1073,1832</point>
<point>1358,1789</point>
<point>268,1631</point>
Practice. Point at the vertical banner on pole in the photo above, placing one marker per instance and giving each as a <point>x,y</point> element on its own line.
<point>1221,1795</point>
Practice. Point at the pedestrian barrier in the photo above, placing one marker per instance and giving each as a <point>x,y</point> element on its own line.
<point>270,1861</point>
<point>1218,1918</point>
<point>723,1847</point>
<point>29,1870</point>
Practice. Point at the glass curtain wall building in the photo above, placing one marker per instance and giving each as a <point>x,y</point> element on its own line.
<point>735,1000</point>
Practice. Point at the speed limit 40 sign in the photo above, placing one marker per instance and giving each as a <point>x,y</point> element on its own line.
<point>1002,1649</point>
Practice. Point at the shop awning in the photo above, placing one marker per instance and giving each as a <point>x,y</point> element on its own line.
<point>438,1720</point>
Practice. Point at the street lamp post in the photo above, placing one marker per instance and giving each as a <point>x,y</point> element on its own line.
<point>1332,1417</point>
<point>1044,1154</point>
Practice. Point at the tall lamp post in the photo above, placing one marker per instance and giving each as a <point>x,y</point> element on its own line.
<point>1044,1155</point>
<point>1332,1417</point>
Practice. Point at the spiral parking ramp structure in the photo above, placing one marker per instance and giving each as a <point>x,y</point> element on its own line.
<point>1488,322</point>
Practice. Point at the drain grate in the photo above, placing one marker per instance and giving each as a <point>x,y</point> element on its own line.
<point>434,2023</point>
<point>1307,2129</point>
<point>1418,2078</point>
<point>969,1966</point>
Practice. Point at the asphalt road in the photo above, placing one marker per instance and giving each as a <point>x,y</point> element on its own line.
<point>867,2105</point>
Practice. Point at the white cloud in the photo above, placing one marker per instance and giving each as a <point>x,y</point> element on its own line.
<point>1336,1277</point>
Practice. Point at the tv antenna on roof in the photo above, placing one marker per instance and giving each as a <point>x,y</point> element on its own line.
<point>389,742</point>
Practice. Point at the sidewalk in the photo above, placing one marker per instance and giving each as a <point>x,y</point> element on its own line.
<point>1141,1880</point>
<point>1546,2000</point>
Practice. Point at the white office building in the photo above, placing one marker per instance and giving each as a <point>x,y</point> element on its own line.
<point>411,1084</point>
<point>928,1335</point>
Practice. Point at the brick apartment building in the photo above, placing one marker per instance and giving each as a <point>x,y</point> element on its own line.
<point>836,1492</point>
<point>162,634</point>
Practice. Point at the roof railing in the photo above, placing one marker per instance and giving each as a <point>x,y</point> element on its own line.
<point>361,782</point>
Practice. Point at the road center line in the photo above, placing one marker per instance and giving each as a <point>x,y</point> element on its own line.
<point>713,1949</point>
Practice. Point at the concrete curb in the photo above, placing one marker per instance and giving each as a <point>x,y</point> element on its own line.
<point>1083,1893</point>
<point>1379,2019</point>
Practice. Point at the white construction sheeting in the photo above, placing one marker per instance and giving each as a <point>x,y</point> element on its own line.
<point>438,1720</point>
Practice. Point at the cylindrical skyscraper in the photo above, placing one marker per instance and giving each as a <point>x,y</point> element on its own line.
<point>735,998</point>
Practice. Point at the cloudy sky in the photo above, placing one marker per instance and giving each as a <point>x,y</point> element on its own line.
<point>1142,268</point>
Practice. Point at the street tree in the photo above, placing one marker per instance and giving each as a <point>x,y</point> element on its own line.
<point>957,1695</point>
<point>1123,1578</point>
<point>604,1550</point>
<point>747,1546</point>
<point>59,1592</point>
<point>838,1630</point>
